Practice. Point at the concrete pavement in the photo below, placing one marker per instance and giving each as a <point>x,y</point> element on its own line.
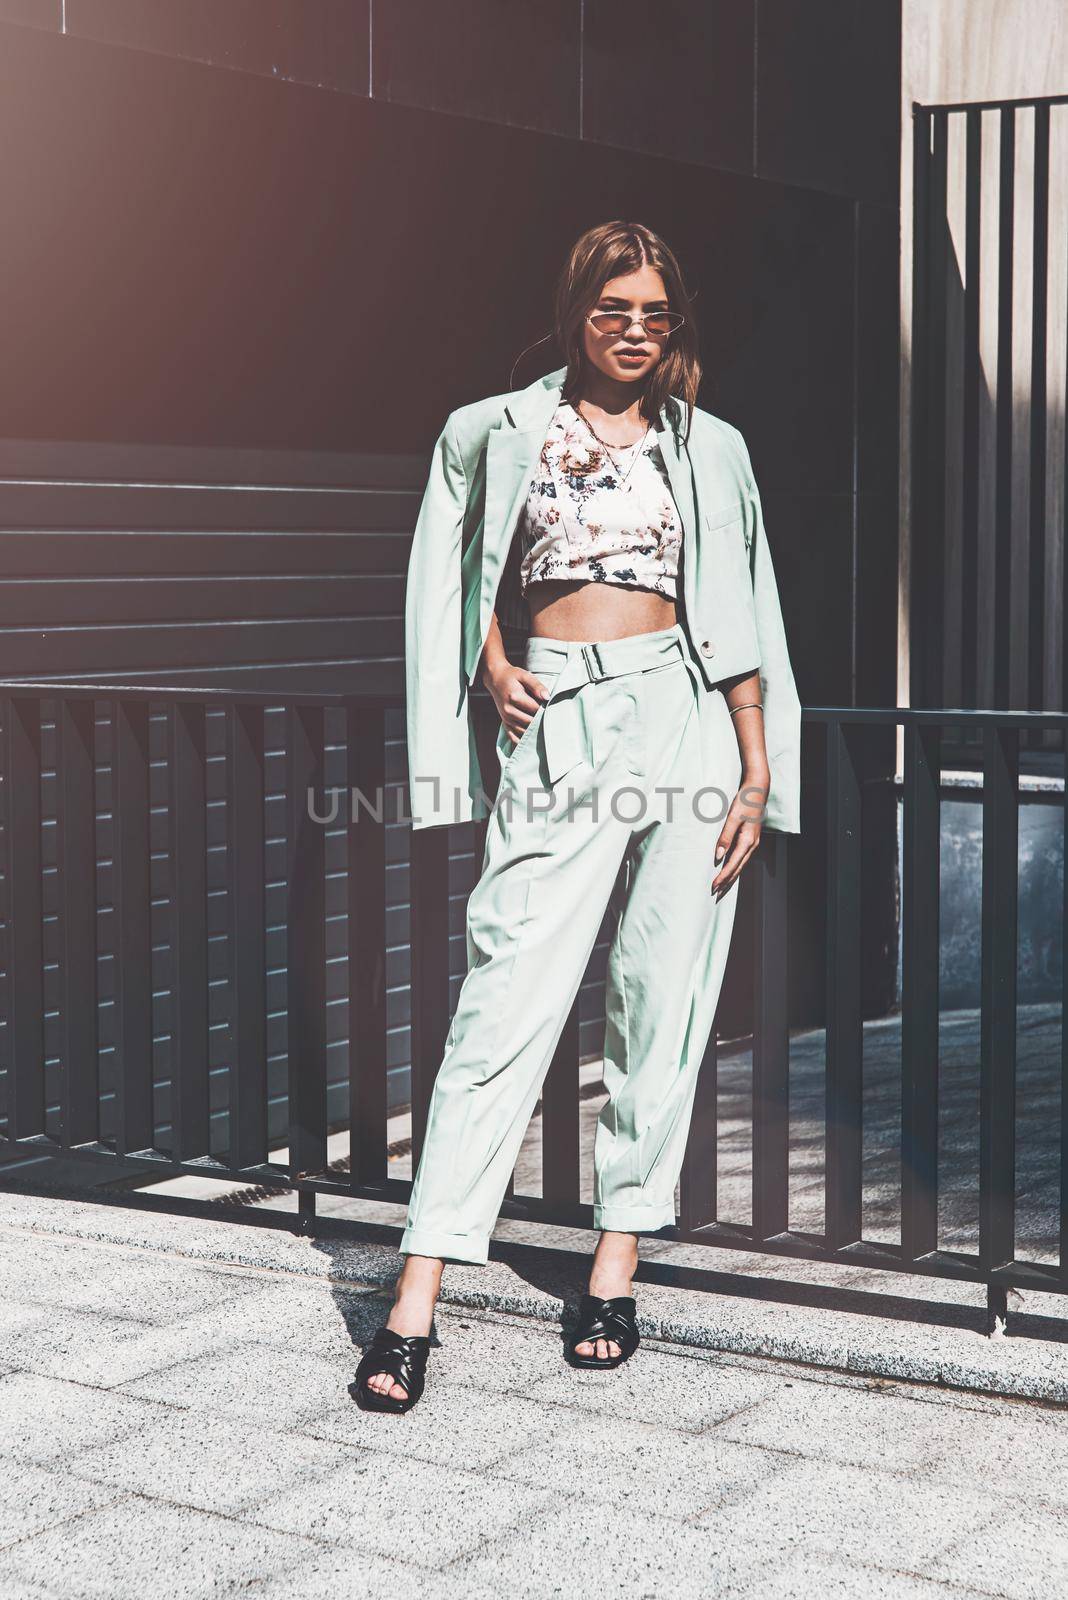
<point>175,1421</point>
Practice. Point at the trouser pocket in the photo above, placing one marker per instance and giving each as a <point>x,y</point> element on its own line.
<point>506,750</point>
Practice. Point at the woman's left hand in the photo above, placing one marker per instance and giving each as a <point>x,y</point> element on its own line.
<point>741,830</point>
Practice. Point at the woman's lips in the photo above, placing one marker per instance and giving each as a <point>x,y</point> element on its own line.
<point>633,356</point>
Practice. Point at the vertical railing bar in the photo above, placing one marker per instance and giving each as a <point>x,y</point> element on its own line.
<point>305,939</point>
<point>560,1116</point>
<point>974,390</point>
<point>934,573</point>
<point>1063,1230</point>
<point>76,876</point>
<point>246,896</point>
<point>1064,848</point>
<point>919,991</point>
<point>1063,312</point>
<point>929,543</point>
<point>920,490</point>
<point>997,1060</point>
<point>132,945</point>
<point>190,1064</point>
<point>429,943</point>
<point>365,820</point>
<point>1036,621</point>
<point>26,1082</point>
<point>1004,414</point>
<point>771,1044</point>
<point>844,1034</point>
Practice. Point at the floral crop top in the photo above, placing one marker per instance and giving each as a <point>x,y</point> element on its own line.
<point>605,518</point>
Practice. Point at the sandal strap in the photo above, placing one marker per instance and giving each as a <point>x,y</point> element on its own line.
<point>404,1358</point>
<point>614,1319</point>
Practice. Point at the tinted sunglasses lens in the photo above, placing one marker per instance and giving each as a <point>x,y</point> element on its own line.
<point>610,322</point>
<point>663,324</point>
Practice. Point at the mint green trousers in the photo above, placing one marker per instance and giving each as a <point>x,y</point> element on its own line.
<point>612,800</point>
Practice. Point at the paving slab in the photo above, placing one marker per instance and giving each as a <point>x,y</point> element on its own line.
<point>147,1289</point>
<point>837,1577</point>
<point>954,1440</point>
<point>1018,1554</point>
<point>202,1459</point>
<point>472,1427</point>
<point>335,1572</point>
<point>697,1394</point>
<point>591,1547</point>
<point>22,1589</point>
<point>17,1316</point>
<point>40,1497</point>
<point>367,1503</point>
<point>494,1350</point>
<point>247,1382</point>
<point>104,1351</point>
<point>139,1546</point>
<point>43,1419</point>
<point>644,1465</point>
<point>899,1522</point>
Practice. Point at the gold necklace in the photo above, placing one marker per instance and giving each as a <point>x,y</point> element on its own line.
<point>609,448</point>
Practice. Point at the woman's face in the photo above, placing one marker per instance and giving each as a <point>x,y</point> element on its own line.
<point>629,356</point>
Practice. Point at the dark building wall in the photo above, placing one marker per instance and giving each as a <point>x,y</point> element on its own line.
<point>208,257</point>
<point>302,263</point>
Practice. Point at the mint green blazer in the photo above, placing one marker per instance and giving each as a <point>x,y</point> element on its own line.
<point>483,463</point>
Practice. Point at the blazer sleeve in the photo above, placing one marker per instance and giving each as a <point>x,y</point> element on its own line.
<point>444,777</point>
<point>782,708</point>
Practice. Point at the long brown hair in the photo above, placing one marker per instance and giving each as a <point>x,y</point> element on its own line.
<point>611,250</point>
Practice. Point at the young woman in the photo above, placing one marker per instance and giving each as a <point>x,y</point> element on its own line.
<point>650,732</point>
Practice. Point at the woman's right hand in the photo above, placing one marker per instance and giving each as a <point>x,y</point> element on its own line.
<point>517,695</point>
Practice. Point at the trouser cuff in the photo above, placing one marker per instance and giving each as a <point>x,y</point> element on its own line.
<point>634,1219</point>
<point>445,1246</point>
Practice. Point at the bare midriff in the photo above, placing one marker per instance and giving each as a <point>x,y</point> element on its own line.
<point>590,611</point>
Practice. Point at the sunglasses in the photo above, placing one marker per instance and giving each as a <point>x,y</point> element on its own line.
<point>656,325</point>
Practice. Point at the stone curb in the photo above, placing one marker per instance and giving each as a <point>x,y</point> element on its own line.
<point>819,1328</point>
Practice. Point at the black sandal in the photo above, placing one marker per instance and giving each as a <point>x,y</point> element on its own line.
<point>404,1359</point>
<point>604,1319</point>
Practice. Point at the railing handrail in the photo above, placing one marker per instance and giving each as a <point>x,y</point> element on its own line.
<point>223,694</point>
<point>911,716</point>
<point>897,716</point>
<point>1012,103</point>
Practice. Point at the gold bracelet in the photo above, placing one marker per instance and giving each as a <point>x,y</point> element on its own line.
<point>749,704</point>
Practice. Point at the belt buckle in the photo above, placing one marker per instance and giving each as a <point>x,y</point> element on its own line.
<point>594,675</point>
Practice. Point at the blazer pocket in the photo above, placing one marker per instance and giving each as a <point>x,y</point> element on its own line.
<point>734,512</point>
<point>727,541</point>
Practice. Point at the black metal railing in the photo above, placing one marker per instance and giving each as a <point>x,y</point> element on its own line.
<point>63,1095</point>
<point>988,403</point>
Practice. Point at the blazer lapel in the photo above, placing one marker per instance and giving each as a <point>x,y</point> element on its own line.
<point>680,475</point>
<point>512,451</point>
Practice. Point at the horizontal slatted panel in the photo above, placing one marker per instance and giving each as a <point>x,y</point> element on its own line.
<point>141,560</point>
<point>234,569</point>
<point>81,605</point>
